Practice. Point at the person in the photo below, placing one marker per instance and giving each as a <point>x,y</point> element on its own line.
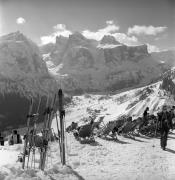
<point>15,132</point>
<point>14,138</point>
<point>144,118</point>
<point>145,114</point>
<point>10,140</point>
<point>172,113</point>
<point>165,121</point>
<point>126,126</point>
<point>1,139</point>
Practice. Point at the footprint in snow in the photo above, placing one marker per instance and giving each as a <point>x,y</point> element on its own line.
<point>76,164</point>
<point>73,154</point>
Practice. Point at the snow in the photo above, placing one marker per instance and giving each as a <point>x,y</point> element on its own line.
<point>135,159</point>
<point>56,69</point>
<point>113,106</point>
<point>11,169</point>
<point>108,46</point>
<point>123,159</point>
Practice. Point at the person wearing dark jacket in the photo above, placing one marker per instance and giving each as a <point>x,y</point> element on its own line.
<point>165,121</point>
<point>1,139</point>
<point>145,114</point>
<point>144,118</point>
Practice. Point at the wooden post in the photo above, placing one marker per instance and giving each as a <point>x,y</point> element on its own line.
<point>62,115</point>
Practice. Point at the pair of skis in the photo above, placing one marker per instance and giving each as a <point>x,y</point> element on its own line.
<point>49,112</point>
<point>48,116</point>
<point>29,116</point>
<point>27,149</point>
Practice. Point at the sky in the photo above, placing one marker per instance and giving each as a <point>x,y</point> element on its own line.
<point>132,22</point>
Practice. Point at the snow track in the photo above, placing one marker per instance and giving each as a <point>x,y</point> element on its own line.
<point>107,159</point>
<point>122,159</point>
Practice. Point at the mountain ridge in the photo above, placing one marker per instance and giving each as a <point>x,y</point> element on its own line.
<point>92,65</point>
<point>23,74</point>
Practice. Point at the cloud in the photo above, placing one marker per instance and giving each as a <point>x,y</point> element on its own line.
<point>152,48</point>
<point>146,30</point>
<point>112,30</point>
<point>20,20</point>
<point>109,22</point>
<point>125,39</point>
<point>97,35</point>
<point>59,30</point>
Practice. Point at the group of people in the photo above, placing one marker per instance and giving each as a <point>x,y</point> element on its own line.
<point>162,123</point>
<point>164,118</point>
<point>14,138</point>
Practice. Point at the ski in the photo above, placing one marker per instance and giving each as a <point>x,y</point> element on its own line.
<point>47,130</point>
<point>62,115</point>
<point>46,111</point>
<point>33,134</point>
<point>29,115</point>
<point>58,132</point>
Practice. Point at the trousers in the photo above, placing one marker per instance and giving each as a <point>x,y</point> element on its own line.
<point>163,137</point>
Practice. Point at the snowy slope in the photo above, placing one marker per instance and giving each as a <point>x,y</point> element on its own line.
<point>11,169</point>
<point>132,102</point>
<point>122,159</point>
<point>139,159</point>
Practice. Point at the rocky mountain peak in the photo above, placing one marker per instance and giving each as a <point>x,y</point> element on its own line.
<point>60,40</point>
<point>23,74</point>
<point>19,56</point>
<point>107,39</point>
<point>77,39</point>
<point>142,49</point>
<point>15,36</point>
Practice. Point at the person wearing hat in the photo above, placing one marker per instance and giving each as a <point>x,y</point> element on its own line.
<point>164,118</point>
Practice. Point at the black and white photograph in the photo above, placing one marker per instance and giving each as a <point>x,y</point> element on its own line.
<point>87,89</point>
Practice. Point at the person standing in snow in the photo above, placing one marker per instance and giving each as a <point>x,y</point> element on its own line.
<point>144,118</point>
<point>172,113</point>
<point>1,139</point>
<point>165,120</point>
<point>145,114</point>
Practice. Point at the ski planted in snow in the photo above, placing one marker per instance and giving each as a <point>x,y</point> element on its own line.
<point>62,115</point>
<point>32,145</point>
<point>29,115</point>
<point>47,132</point>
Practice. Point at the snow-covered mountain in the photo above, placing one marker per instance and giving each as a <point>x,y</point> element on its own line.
<point>128,103</point>
<point>23,74</point>
<point>88,65</point>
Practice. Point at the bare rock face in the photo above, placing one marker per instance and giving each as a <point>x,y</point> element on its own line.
<point>90,65</point>
<point>107,39</point>
<point>23,74</point>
